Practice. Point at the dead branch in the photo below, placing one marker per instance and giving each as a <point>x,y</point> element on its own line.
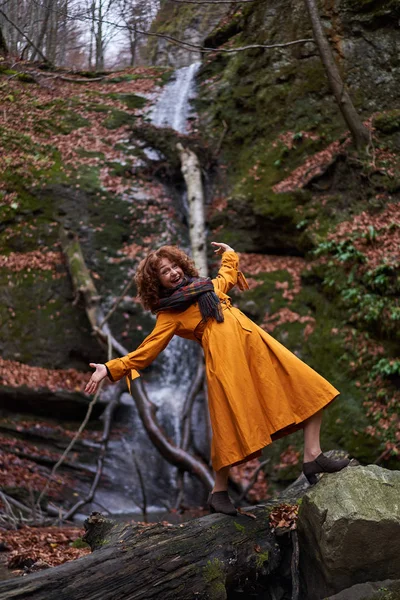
<point>108,415</point>
<point>70,445</point>
<point>253,479</point>
<point>116,303</point>
<point>186,423</point>
<point>294,566</point>
<point>221,139</point>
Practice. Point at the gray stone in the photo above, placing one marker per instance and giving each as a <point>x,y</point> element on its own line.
<point>373,590</point>
<point>349,530</point>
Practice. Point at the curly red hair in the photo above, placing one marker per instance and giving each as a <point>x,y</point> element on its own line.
<point>147,279</point>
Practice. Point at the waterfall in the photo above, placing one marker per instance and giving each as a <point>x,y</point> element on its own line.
<point>172,108</point>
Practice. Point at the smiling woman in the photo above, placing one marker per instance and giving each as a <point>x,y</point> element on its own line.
<point>170,274</point>
<point>257,389</point>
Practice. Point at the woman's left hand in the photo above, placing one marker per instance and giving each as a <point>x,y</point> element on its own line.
<point>221,248</point>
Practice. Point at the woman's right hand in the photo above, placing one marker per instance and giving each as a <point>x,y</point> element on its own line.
<point>220,248</point>
<point>99,374</point>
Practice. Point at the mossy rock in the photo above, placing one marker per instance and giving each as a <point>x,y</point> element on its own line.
<point>388,122</point>
<point>26,78</point>
<point>131,100</point>
<point>61,121</point>
<point>118,118</point>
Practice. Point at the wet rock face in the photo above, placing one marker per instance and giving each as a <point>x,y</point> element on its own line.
<point>349,528</point>
<point>189,23</point>
<point>254,100</point>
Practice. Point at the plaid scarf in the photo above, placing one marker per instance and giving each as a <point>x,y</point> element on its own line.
<point>193,289</point>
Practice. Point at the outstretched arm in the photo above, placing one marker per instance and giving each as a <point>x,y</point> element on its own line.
<point>148,350</point>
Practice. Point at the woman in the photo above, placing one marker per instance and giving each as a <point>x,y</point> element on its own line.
<point>257,389</point>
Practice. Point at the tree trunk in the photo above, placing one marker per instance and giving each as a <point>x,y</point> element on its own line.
<point>204,558</point>
<point>132,48</point>
<point>3,44</point>
<point>14,25</point>
<point>197,229</point>
<point>100,40</point>
<point>358,131</point>
<point>43,31</point>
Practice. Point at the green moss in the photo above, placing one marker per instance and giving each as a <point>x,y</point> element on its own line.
<point>128,77</point>
<point>60,121</point>
<point>388,122</point>
<point>214,569</point>
<point>239,527</point>
<point>79,543</point>
<point>214,576</point>
<point>261,558</point>
<point>118,118</point>
<point>25,78</point>
<point>101,108</point>
<point>131,100</point>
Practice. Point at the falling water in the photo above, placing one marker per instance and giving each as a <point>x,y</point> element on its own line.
<point>172,108</point>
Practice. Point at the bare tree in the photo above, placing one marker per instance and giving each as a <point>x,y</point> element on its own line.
<point>3,44</point>
<point>137,17</point>
<point>47,9</point>
<point>358,131</point>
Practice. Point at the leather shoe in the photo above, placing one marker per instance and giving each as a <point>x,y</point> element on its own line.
<point>219,502</point>
<point>323,464</point>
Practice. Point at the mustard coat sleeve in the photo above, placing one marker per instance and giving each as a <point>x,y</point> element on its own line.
<point>228,272</point>
<point>148,350</point>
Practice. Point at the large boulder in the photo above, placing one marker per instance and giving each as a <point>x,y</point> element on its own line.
<point>349,530</point>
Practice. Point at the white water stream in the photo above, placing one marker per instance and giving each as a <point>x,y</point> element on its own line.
<point>172,108</point>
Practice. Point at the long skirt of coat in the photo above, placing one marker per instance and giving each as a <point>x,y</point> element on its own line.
<point>257,389</point>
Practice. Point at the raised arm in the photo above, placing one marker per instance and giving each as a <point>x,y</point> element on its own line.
<point>228,272</point>
<point>140,358</point>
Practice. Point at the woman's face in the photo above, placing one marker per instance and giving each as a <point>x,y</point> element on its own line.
<point>170,274</point>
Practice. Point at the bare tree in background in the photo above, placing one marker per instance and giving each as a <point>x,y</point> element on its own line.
<point>135,15</point>
<point>100,14</point>
<point>358,131</point>
<point>3,44</point>
<point>42,29</point>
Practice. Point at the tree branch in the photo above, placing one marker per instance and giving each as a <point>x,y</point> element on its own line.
<point>25,36</point>
<point>177,41</point>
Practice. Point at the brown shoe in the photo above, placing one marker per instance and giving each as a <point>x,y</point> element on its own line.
<point>219,502</point>
<point>323,464</point>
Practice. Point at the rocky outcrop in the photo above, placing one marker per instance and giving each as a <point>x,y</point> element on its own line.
<point>375,590</point>
<point>190,23</point>
<point>349,531</point>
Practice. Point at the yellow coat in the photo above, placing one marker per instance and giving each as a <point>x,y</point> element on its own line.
<point>257,389</point>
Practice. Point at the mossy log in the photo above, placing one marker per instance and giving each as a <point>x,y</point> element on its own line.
<point>80,274</point>
<point>205,558</point>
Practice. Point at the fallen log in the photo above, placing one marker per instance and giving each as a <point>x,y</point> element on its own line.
<point>205,558</point>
